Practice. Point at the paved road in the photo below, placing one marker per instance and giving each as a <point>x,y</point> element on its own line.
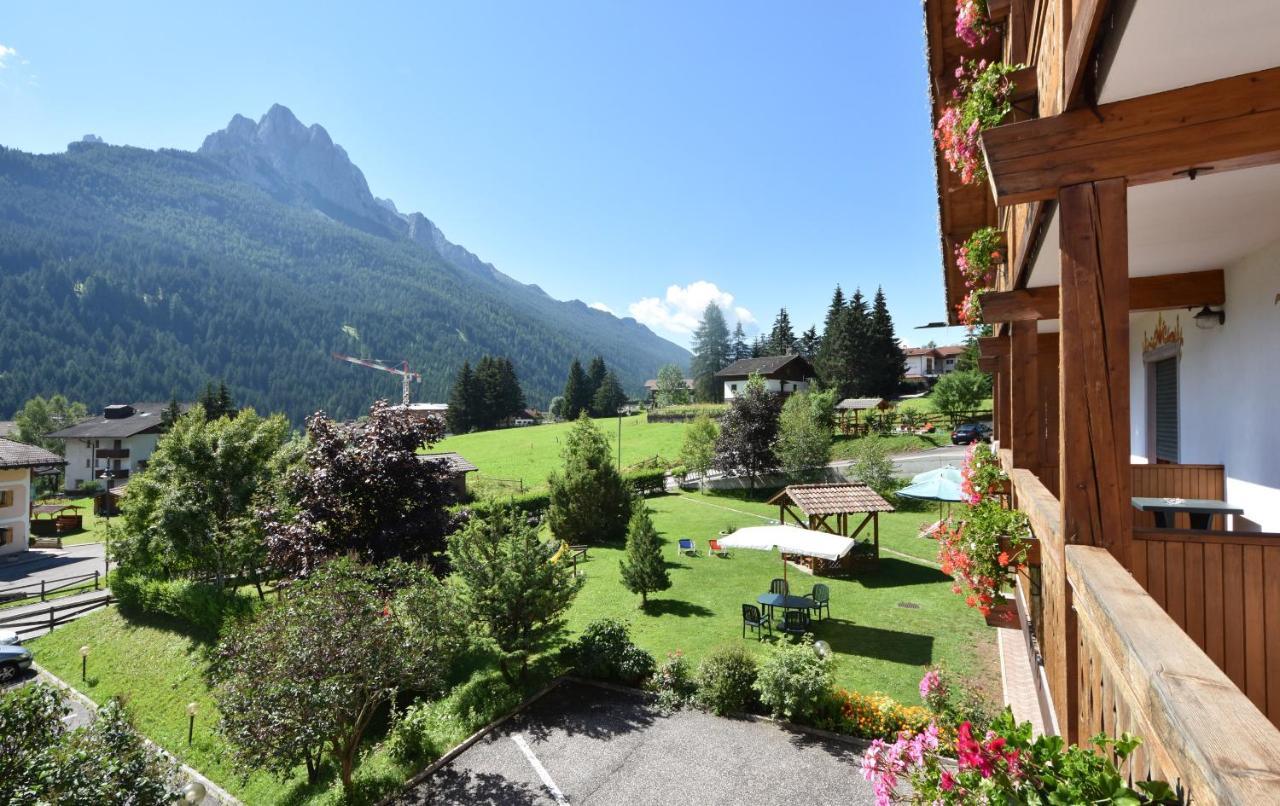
<point>909,464</point>
<point>585,745</point>
<point>37,564</point>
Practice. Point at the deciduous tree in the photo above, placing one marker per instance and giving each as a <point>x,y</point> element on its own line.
<point>642,567</point>
<point>672,390</point>
<point>511,585</point>
<point>40,416</point>
<point>699,450</point>
<point>957,393</point>
<point>749,432</point>
<point>364,490</point>
<point>804,440</point>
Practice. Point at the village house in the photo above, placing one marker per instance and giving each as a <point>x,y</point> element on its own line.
<point>782,374</point>
<point>923,365</point>
<point>18,464</point>
<point>651,389</point>
<point>111,446</point>
<point>457,466</point>
<point>1135,192</point>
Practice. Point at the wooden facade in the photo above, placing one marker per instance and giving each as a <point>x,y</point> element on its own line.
<point>1170,634</point>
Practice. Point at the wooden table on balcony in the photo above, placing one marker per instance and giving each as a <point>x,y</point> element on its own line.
<point>1199,510</point>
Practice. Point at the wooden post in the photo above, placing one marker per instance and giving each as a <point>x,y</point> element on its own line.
<point>1003,420</point>
<point>1024,396</point>
<point>1093,395</point>
<point>1048,377</point>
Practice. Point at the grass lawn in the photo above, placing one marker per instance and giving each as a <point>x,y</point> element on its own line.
<point>157,666</point>
<point>93,525</point>
<point>530,454</point>
<point>880,645</point>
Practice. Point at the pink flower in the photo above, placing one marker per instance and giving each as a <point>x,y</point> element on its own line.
<point>947,782</point>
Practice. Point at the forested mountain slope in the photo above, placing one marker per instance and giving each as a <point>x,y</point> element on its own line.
<point>128,274</point>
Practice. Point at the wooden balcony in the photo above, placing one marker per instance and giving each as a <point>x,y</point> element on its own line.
<point>111,453</point>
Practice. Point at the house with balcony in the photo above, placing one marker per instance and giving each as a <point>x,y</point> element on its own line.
<point>1134,190</point>
<point>19,463</point>
<point>923,365</point>
<point>111,446</point>
<point>782,374</point>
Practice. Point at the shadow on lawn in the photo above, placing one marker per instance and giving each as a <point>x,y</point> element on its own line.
<point>675,607</point>
<point>891,572</point>
<point>912,649</point>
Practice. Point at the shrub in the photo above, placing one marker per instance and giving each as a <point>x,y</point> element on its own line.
<point>604,651</point>
<point>955,701</point>
<point>726,680</point>
<point>204,606</point>
<point>532,503</point>
<point>795,682</point>
<point>674,681</point>
<point>648,481</point>
<point>872,465</point>
<point>873,716</point>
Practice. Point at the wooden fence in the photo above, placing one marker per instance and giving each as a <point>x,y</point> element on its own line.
<point>42,589</point>
<point>1140,673</point>
<point>47,618</point>
<point>1223,590</point>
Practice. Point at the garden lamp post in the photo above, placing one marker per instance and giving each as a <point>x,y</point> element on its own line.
<point>191,721</point>
<point>193,792</point>
<point>108,477</point>
<point>84,662</point>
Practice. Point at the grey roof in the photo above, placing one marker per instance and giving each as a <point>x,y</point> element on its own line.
<point>457,464</point>
<point>859,403</point>
<point>146,417</point>
<point>766,365</point>
<point>19,454</point>
<point>7,427</point>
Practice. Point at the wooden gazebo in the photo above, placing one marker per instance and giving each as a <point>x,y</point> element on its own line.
<point>853,406</point>
<point>814,505</point>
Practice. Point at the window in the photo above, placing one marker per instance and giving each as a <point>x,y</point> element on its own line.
<point>1164,409</point>
<point>6,535</point>
<point>733,387</point>
<point>6,498</point>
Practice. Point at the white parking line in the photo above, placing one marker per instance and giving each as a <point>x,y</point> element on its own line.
<point>540,770</point>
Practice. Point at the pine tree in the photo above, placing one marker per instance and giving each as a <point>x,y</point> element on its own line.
<point>589,501</point>
<point>886,361</point>
<point>853,360</point>
<point>809,342</point>
<point>462,400</point>
<point>577,398</point>
<point>171,412</point>
<point>643,569</point>
<point>831,349</point>
<point>738,348</point>
<point>609,398</point>
<point>510,396</point>
<point>226,406</point>
<point>758,347</point>
<point>596,371</point>
<point>209,401</point>
<point>782,339</point>
<point>710,354</point>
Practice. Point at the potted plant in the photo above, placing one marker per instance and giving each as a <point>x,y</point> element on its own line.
<point>973,22</point>
<point>982,98</point>
<point>981,476</point>
<point>728,530</point>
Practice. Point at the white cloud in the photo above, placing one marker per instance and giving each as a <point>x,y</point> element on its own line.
<point>5,54</point>
<point>600,306</point>
<point>681,309</point>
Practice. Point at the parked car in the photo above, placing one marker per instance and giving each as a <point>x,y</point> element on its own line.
<point>8,637</point>
<point>969,433</point>
<point>14,660</point>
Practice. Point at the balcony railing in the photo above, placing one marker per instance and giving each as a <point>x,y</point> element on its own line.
<point>111,453</point>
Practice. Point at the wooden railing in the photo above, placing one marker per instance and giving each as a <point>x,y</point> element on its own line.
<point>1223,590</point>
<point>1176,481</point>
<point>1140,673</point>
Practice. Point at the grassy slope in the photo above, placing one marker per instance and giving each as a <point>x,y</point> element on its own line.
<point>881,647</point>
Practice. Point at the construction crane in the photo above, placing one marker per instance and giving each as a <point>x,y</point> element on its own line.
<point>402,370</point>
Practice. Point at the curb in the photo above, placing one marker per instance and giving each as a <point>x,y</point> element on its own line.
<point>189,772</point>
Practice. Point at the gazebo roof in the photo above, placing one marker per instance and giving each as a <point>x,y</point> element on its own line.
<point>859,403</point>
<point>832,499</point>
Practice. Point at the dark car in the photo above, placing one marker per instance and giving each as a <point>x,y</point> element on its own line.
<point>969,433</point>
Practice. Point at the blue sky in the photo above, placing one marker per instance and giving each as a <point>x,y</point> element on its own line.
<point>644,156</point>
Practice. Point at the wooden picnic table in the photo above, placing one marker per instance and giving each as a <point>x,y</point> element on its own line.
<point>1200,510</point>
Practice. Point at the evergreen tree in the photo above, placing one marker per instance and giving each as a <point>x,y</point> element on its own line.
<point>758,347</point>
<point>596,371</point>
<point>886,361</point>
<point>738,347</point>
<point>489,394</point>
<point>463,401</point>
<point>782,339</point>
<point>577,392</point>
<point>226,406</point>
<point>809,342</point>
<point>208,400</point>
<point>710,354</point>
<point>643,569</point>
<point>609,397</point>
<point>831,349</point>
<point>855,350</point>
<point>171,412</point>
<point>749,432</point>
<point>510,396</point>
<point>590,502</point>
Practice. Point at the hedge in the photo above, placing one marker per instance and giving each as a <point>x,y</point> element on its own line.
<point>204,606</point>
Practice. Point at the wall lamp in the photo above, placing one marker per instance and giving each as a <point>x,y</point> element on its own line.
<point>1208,318</point>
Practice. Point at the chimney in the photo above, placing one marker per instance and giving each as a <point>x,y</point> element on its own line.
<point>117,411</point>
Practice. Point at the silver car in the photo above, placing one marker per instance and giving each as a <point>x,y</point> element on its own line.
<point>14,660</point>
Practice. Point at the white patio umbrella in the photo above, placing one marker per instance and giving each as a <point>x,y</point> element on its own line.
<point>789,540</point>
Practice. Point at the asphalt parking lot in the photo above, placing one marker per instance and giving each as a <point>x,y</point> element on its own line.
<point>581,744</point>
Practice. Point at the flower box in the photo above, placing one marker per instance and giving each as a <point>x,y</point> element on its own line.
<point>1003,614</point>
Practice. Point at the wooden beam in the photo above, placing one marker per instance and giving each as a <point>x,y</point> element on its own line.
<point>1086,21</point>
<point>988,363</point>
<point>1225,124</point>
<point>993,346</point>
<point>1024,396</point>
<point>1161,292</point>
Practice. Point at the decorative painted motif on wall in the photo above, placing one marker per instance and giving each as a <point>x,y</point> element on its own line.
<point>1162,335</point>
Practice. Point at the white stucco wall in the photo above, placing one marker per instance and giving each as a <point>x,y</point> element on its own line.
<point>1228,387</point>
<point>80,465</point>
<point>772,385</point>
<point>17,514</point>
